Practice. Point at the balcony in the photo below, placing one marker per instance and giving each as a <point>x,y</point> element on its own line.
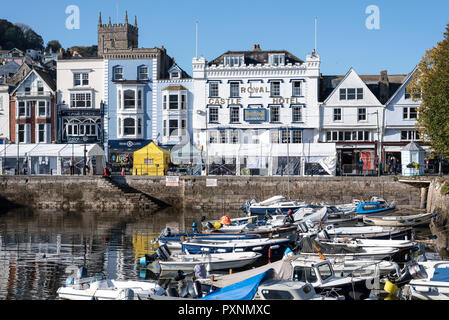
<point>35,94</point>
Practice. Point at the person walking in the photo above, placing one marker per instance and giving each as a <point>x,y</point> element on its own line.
<point>394,164</point>
<point>360,166</point>
<point>72,167</point>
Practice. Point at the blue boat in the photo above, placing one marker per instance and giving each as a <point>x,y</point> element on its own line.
<point>376,205</point>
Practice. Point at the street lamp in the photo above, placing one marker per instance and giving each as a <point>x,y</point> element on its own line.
<point>85,151</point>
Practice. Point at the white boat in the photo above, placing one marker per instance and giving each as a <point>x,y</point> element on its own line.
<point>431,281</point>
<point>315,215</point>
<point>81,287</point>
<point>310,247</point>
<point>290,290</point>
<point>276,204</point>
<point>399,221</point>
<point>368,232</point>
<point>399,244</point>
<point>262,245</point>
<point>212,261</point>
<point>346,266</point>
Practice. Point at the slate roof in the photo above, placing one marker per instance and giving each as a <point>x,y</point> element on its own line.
<point>329,82</point>
<point>257,56</point>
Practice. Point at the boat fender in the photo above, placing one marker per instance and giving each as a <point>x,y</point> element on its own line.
<point>197,289</point>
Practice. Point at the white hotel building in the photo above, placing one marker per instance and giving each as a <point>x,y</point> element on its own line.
<point>257,111</point>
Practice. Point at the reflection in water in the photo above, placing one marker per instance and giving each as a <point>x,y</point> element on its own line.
<point>36,248</point>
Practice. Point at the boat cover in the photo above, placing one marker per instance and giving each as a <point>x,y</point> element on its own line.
<point>440,274</point>
<point>307,245</point>
<point>243,290</point>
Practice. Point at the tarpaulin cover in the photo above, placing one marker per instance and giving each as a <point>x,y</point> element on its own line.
<point>440,274</point>
<point>306,245</point>
<point>243,290</point>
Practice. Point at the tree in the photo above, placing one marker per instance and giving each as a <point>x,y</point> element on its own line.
<point>431,84</point>
<point>18,36</point>
<point>54,45</point>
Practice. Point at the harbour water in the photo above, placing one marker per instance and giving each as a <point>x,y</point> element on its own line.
<point>37,247</point>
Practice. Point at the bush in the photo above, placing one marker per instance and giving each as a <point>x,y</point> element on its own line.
<point>444,189</point>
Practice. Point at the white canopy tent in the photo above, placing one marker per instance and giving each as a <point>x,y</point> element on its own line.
<point>50,158</point>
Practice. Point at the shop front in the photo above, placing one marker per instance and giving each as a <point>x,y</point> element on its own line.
<point>356,159</point>
<point>120,153</point>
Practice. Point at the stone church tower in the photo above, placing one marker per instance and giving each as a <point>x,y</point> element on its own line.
<point>112,37</point>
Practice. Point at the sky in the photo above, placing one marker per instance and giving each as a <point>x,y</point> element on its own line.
<point>403,29</point>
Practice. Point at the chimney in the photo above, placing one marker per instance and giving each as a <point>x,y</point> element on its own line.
<point>256,47</point>
<point>384,87</point>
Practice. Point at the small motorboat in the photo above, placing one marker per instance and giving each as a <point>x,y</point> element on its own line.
<point>276,204</point>
<point>265,246</point>
<point>309,247</point>
<point>413,220</point>
<point>82,287</point>
<point>430,281</point>
<point>368,232</point>
<point>374,206</point>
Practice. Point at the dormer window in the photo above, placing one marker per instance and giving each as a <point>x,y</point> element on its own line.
<point>143,73</point>
<point>233,60</point>
<point>174,75</point>
<point>277,59</point>
<point>118,73</point>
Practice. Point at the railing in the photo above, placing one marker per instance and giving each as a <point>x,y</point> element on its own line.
<point>34,94</point>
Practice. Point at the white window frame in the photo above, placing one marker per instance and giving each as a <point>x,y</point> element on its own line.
<point>115,73</point>
<point>360,113</point>
<point>334,114</point>
<point>86,99</point>
<point>233,60</point>
<point>83,80</point>
<point>300,107</point>
<point>214,92</point>
<point>276,110</point>
<point>277,59</point>
<point>143,75</point>
<point>214,114</point>
<point>296,91</point>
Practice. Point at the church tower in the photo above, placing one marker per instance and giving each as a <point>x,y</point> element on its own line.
<point>112,37</point>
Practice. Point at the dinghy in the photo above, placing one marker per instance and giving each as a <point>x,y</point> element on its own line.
<point>212,261</point>
<point>369,232</point>
<point>276,204</point>
<point>374,206</point>
<point>413,220</point>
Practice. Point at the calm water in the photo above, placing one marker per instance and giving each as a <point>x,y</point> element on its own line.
<point>36,248</point>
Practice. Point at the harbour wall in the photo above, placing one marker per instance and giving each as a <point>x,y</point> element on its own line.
<point>223,194</point>
<point>438,202</point>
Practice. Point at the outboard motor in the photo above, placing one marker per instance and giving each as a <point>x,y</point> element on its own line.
<point>172,292</point>
<point>303,227</point>
<point>200,271</point>
<point>81,273</point>
<point>166,232</point>
<point>163,252</point>
<point>197,289</point>
<point>180,276</point>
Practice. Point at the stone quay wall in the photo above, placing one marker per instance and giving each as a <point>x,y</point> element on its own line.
<point>229,194</point>
<point>438,202</point>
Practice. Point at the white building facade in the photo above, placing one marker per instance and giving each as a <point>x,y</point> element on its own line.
<point>80,91</point>
<point>256,112</point>
<point>4,113</point>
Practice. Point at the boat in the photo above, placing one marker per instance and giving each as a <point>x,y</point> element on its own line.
<point>413,220</point>
<point>310,247</point>
<point>313,214</point>
<point>276,204</point>
<point>374,206</point>
<point>266,246</point>
<point>81,287</point>
<point>367,232</point>
<point>212,261</point>
<point>430,281</point>
<point>263,287</point>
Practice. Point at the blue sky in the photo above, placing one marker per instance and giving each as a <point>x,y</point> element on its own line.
<point>407,28</point>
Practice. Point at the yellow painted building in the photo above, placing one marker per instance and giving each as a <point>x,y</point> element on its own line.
<point>151,160</point>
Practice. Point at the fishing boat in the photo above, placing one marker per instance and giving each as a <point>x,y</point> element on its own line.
<point>212,261</point>
<point>81,287</point>
<point>265,246</point>
<point>374,206</point>
<point>430,281</point>
<point>413,220</point>
<point>276,204</point>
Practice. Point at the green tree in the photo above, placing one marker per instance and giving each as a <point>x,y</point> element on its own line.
<point>54,45</point>
<point>430,84</point>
